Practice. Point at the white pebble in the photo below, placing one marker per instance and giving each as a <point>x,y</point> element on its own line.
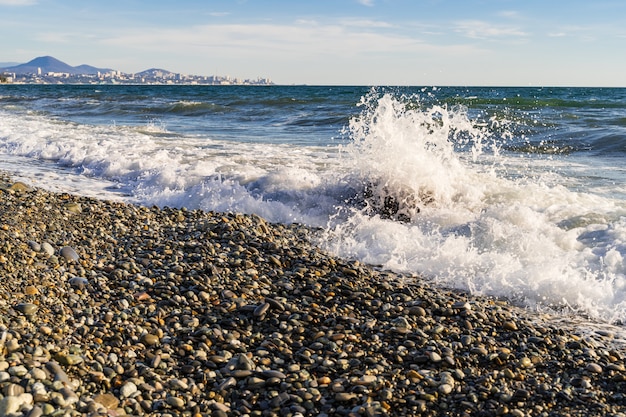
<point>128,389</point>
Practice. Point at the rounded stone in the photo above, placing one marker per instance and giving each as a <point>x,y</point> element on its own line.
<point>12,345</point>
<point>108,401</point>
<point>510,325</point>
<point>73,208</point>
<point>178,385</point>
<point>71,359</point>
<point>128,389</point>
<point>20,187</point>
<point>9,405</point>
<point>13,390</point>
<point>78,282</point>
<point>149,339</point>
<point>31,290</point>
<point>366,380</point>
<point>594,368</point>
<point>47,248</point>
<point>18,370</point>
<point>38,374</point>
<point>28,309</point>
<point>344,396</point>
<point>434,357</point>
<point>68,253</point>
<point>175,402</point>
<point>445,389</point>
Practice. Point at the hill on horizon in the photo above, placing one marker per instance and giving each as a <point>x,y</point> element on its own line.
<point>154,71</point>
<point>51,64</point>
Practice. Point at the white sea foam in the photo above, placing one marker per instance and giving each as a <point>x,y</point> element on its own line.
<point>523,237</point>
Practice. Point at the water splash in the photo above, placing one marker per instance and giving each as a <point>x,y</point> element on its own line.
<point>470,224</point>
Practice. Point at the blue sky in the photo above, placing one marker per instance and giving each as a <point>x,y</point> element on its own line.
<point>365,42</point>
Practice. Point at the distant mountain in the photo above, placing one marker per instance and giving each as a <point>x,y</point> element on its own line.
<point>88,69</point>
<point>51,64</point>
<point>155,72</point>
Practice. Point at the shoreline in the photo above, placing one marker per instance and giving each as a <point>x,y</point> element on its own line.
<point>114,309</point>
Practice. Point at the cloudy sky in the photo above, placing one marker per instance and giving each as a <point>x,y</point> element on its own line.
<point>364,42</point>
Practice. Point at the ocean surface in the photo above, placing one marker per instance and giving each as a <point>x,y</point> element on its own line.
<point>514,192</point>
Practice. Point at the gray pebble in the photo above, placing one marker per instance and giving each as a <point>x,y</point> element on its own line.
<point>68,253</point>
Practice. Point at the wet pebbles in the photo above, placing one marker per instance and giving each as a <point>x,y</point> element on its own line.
<point>109,309</point>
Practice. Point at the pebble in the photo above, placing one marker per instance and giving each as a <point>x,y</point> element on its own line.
<point>128,389</point>
<point>73,208</point>
<point>20,187</point>
<point>36,411</point>
<point>150,339</point>
<point>594,368</point>
<point>58,373</point>
<point>68,253</point>
<point>9,405</point>
<point>345,396</point>
<point>260,310</point>
<point>510,325</point>
<point>38,374</point>
<point>445,389</point>
<point>176,402</point>
<point>47,249</point>
<point>78,282</point>
<point>35,246</point>
<point>18,370</point>
<point>367,380</point>
<point>270,373</point>
<point>108,401</point>
<point>28,309</point>
<point>69,359</point>
<point>178,385</point>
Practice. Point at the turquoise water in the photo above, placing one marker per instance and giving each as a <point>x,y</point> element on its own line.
<point>515,192</point>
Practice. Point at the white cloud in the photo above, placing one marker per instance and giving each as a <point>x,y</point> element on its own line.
<point>477,29</point>
<point>509,14</point>
<point>286,52</point>
<point>56,37</point>
<point>262,39</point>
<point>368,3</point>
<point>17,2</point>
<point>366,23</point>
<point>306,22</point>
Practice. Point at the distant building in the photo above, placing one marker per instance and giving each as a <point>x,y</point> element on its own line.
<point>151,77</point>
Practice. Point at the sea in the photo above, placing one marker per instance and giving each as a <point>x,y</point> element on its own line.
<point>515,192</point>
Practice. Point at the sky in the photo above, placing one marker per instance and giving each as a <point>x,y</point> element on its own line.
<point>332,42</point>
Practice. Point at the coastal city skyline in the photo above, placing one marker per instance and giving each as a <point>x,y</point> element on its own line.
<point>50,70</point>
<point>349,42</point>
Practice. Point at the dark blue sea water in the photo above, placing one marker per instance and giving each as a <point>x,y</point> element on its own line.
<point>515,192</point>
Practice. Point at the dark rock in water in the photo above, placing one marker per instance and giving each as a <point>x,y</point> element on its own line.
<point>395,203</point>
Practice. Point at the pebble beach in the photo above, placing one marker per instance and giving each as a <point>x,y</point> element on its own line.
<point>111,309</point>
